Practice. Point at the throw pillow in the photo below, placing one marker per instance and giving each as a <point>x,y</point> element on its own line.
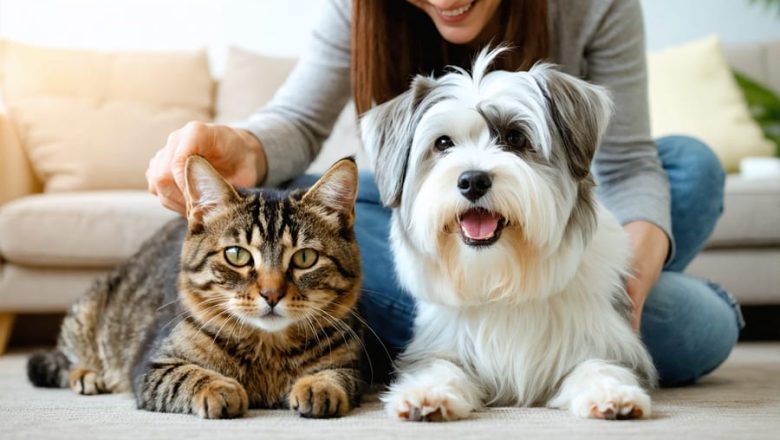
<point>250,81</point>
<point>90,120</point>
<point>693,92</point>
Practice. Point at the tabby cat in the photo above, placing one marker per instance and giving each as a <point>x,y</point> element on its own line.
<point>249,303</point>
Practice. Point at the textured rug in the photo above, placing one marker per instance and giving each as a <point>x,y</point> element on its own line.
<point>741,400</point>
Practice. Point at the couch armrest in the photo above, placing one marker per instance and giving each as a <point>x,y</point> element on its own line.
<point>16,176</point>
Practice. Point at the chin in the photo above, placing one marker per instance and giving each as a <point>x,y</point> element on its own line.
<point>517,270</point>
<point>456,35</point>
<point>270,324</point>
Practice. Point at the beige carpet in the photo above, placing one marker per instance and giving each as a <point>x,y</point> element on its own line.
<point>739,401</point>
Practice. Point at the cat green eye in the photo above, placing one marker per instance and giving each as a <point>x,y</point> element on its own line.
<point>238,256</point>
<point>305,258</point>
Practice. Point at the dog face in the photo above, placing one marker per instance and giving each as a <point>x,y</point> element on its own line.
<point>489,170</point>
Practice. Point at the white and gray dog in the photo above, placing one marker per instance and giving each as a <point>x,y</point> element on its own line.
<point>518,272</point>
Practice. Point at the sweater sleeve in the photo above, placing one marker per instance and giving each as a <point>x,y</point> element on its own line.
<point>631,182</point>
<point>293,126</point>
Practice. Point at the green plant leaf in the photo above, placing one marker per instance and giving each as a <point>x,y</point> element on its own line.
<point>764,105</point>
<point>768,4</point>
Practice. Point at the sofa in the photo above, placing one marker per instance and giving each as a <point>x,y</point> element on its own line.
<point>73,148</point>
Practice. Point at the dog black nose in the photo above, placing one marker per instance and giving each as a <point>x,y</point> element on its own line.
<point>474,184</point>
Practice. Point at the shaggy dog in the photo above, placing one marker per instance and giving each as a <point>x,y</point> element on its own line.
<point>518,272</point>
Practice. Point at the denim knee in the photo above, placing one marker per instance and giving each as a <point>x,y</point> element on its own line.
<point>693,155</point>
<point>689,326</point>
<point>696,181</point>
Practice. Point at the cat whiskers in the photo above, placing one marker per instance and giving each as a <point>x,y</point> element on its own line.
<point>208,310</point>
<point>237,322</point>
<point>215,301</point>
<point>227,321</point>
<point>339,323</point>
<point>365,324</point>
<point>310,322</point>
<point>167,304</point>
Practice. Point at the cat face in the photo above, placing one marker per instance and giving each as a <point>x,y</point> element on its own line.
<point>269,259</point>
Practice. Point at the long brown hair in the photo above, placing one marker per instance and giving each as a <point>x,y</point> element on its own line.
<point>393,40</point>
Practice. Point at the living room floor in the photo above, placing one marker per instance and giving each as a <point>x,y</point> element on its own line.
<point>741,400</point>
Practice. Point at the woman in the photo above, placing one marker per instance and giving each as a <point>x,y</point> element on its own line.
<point>668,194</point>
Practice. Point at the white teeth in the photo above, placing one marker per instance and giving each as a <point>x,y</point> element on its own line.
<point>455,12</point>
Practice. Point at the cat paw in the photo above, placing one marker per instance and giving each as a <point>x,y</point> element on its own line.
<point>318,397</point>
<point>615,402</point>
<point>220,399</point>
<point>427,404</point>
<point>85,382</point>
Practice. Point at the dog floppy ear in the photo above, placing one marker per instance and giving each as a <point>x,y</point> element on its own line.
<point>579,110</point>
<point>387,131</point>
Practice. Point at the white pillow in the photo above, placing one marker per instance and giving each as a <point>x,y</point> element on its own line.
<point>693,92</point>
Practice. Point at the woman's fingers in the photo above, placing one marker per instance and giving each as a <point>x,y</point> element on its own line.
<point>234,153</point>
<point>171,197</point>
<point>194,138</point>
<point>160,178</point>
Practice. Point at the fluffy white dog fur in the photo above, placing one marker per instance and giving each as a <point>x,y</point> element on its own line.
<point>531,309</point>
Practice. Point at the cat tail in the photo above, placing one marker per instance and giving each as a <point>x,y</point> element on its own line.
<point>48,369</point>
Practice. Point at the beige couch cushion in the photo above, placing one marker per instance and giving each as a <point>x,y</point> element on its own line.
<point>26,289</point>
<point>93,120</point>
<point>16,176</point>
<point>78,230</point>
<point>693,92</point>
<point>250,81</point>
<point>751,215</point>
<point>751,274</point>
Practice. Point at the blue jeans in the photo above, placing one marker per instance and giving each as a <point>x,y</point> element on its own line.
<point>689,325</point>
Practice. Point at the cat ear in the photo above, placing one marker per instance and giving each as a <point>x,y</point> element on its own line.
<point>337,189</point>
<point>206,191</point>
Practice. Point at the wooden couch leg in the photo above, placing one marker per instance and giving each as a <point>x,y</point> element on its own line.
<point>6,325</point>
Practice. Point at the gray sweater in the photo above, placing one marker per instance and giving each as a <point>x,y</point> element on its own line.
<point>601,41</point>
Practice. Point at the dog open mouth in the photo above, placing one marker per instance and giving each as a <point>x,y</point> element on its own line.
<point>480,227</point>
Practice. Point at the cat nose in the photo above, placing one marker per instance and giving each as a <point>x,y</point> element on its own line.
<point>272,296</point>
<point>272,286</point>
<point>474,184</point>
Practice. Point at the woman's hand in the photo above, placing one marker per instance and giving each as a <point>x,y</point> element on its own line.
<point>235,153</point>
<point>650,246</point>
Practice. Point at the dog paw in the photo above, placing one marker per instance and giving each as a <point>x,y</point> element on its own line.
<point>318,397</point>
<point>615,402</point>
<point>85,382</point>
<point>427,404</point>
<point>220,399</point>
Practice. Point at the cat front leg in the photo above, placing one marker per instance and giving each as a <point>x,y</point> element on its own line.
<point>327,393</point>
<point>175,385</point>
<point>599,389</point>
<point>435,390</point>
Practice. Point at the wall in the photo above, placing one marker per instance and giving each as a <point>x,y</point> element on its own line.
<point>281,27</point>
<point>669,22</point>
<point>272,27</point>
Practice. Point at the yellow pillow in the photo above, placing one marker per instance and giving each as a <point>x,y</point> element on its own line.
<point>91,121</point>
<point>692,91</point>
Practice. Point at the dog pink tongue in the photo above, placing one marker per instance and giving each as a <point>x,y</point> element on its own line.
<point>479,225</point>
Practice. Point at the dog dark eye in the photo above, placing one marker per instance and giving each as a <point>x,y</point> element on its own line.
<point>516,140</point>
<point>443,142</point>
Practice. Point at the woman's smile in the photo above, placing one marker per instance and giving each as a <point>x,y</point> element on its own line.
<point>459,22</point>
